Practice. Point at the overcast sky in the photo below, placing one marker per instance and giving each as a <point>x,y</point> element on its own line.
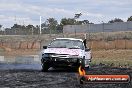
<point>28,11</point>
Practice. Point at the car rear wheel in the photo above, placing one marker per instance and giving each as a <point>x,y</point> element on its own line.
<point>83,63</point>
<point>87,68</point>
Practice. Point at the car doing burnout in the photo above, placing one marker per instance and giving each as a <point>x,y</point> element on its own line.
<point>65,52</point>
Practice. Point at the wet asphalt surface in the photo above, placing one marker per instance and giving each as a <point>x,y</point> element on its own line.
<point>29,75</point>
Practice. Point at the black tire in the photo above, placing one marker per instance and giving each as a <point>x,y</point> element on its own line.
<point>87,68</point>
<point>45,67</point>
<point>76,69</point>
<point>83,63</point>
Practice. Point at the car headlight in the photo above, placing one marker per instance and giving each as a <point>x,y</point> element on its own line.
<point>45,55</point>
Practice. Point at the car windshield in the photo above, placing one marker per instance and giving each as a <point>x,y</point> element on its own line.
<point>65,43</point>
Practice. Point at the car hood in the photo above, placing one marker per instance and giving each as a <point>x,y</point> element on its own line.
<point>78,52</point>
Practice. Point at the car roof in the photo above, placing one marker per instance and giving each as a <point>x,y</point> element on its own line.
<point>70,39</point>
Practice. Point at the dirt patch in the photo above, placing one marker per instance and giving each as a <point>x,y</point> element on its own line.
<point>115,44</point>
<point>120,58</point>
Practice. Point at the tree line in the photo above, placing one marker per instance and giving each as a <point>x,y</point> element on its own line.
<point>51,25</point>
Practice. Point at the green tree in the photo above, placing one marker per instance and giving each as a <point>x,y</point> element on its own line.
<point>82,22</point>
<point>15,26</point>
<point>130,18</point>
<point>77,15</point>
<point>71,21</point>
<point>0,26</point>
<point>116,20</point>
<point>36,29</point>
<point>52,25</point>
<point>29,26</point>
<point>85,22</point>
<point>30,29</point>
<point>67,21</point>
<point>45,27</point>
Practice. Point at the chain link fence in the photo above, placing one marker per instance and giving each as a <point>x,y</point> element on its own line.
<point>31,31</point>
<point>103,40</point>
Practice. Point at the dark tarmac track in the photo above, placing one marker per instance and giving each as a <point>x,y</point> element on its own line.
<point>19,75</point>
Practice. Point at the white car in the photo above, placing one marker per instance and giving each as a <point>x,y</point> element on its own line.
<point>65,52</point>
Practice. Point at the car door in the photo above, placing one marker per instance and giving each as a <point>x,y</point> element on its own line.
<point>87,54</point>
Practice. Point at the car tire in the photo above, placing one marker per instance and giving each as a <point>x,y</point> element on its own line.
<point>83,63</point>
<point>45,67</point>
<point>76,69</point>
<point>87,68</point>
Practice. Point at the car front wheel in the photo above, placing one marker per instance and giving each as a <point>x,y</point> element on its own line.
<point>45,67</point>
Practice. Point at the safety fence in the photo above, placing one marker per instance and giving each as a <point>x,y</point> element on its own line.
<point>111,40</point>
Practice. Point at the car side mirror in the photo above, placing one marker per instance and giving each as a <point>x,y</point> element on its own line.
<point>44,47</point>
<point>87,49</point>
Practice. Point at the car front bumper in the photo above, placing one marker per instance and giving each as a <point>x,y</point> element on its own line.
<point>60,62</point>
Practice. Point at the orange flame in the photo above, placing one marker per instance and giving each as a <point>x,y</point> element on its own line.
<point>81,71</point>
